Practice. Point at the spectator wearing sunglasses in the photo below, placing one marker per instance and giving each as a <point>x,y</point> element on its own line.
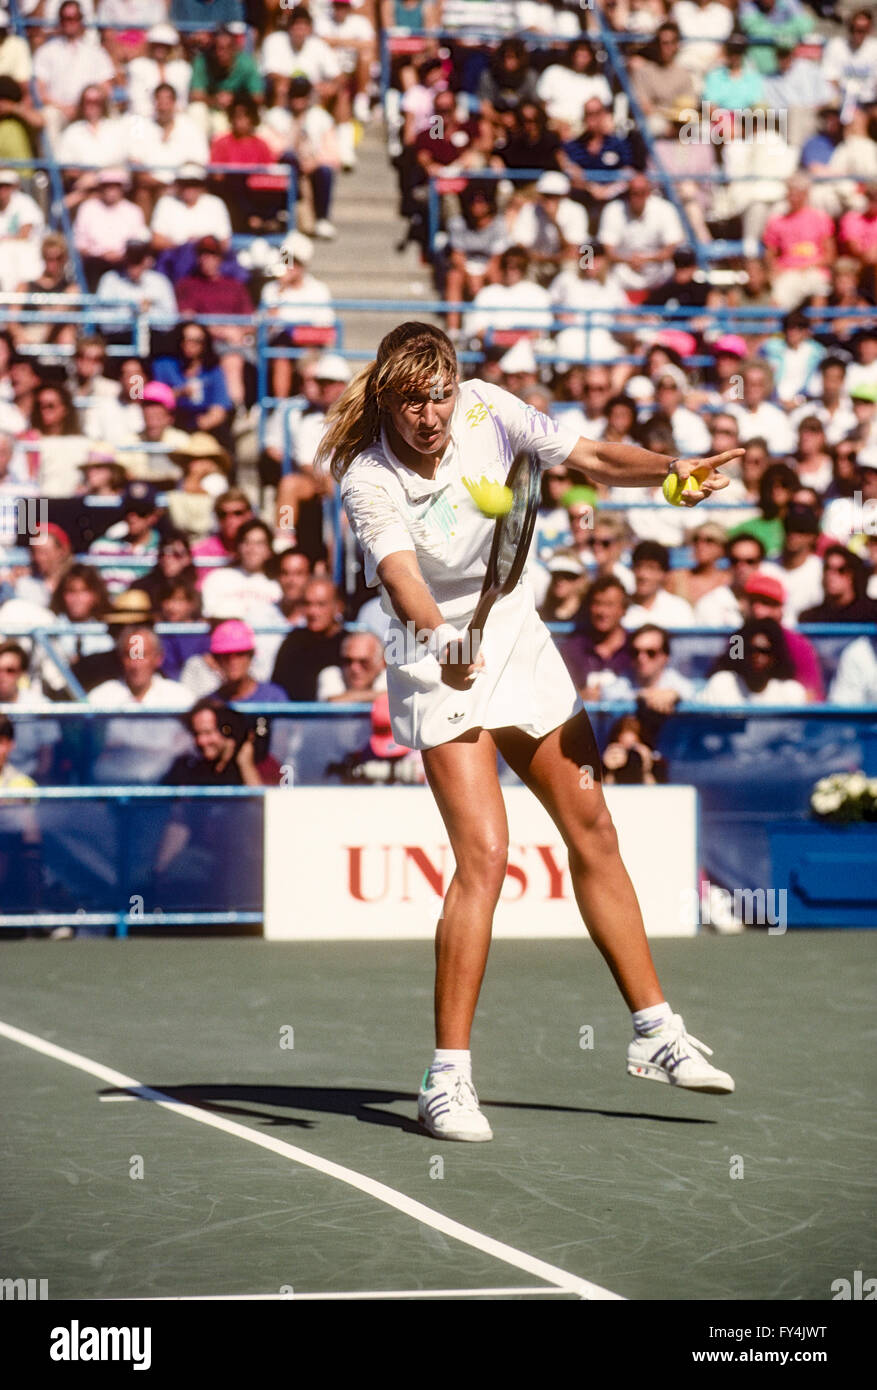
<point>755,670</point>
<point>764,597</point>
<point>850,61</point>
<point>844,581</point>
<point>653,681</point>
<point>232,510</point>
<point>609,543</point>
<point>722,606</point>
<point>361,675</point>
<point>134,537</point>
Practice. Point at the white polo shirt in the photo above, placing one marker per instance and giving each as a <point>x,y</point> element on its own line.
<point>162,151</point>
<point>657,228</point>
<point>391,508</point>
<point>531,309</point>
<point>178,222</point>
<point>67,67</point>
<point>564,93</point>
<point>105,145</point>
<point>314,60</point>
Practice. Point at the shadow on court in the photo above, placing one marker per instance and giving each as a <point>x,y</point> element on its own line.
<point>363,1105</point>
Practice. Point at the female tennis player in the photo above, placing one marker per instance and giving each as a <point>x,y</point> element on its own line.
<point>409,444</point>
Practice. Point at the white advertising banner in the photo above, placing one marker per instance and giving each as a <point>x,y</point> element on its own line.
<point>374,863</point>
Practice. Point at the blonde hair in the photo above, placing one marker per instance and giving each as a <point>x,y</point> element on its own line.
<point>413,356</point>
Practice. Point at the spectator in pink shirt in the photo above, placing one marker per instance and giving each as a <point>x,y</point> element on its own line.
<point>858,232</point>
<point>764,597</point>
<point>105,224</point>
<point>232,510</point>
<point>800,248</point>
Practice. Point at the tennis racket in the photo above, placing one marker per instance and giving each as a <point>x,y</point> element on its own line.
<point>512,536</point>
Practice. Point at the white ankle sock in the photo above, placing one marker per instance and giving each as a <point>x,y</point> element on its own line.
<point>647,1021</point>
<point>448,1057</point>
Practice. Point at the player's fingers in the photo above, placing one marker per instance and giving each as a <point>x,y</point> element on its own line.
<point>719,460</point>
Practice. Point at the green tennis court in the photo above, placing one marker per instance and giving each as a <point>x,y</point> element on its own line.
<point>276,1150</point>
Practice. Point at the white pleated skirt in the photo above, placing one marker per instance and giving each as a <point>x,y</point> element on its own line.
<point>524,683</point>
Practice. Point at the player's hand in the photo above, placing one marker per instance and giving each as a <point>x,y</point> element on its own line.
<point>457,670</point>
<point>706,471</point>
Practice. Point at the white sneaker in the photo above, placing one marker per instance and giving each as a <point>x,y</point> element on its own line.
<point>324,230</point>
<point>674,1056</point>
<point>447,1107</point>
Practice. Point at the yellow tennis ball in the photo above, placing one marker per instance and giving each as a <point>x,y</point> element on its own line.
<point>492,499</point>
<point>673,488</point>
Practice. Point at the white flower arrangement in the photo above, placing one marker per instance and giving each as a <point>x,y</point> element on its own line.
<point>845,797</point>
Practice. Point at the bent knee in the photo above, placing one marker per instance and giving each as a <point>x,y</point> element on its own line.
<point>595,835</point>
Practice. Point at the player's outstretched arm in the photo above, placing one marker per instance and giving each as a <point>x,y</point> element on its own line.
<point>626,465</point>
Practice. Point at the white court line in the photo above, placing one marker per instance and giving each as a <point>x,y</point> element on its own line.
<point>552,1274</point>
<point>340,1297</point>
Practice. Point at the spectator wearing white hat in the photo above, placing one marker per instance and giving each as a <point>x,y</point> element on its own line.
<point>568,580</point>
<point>155,67</point>
<point>553,228</point>
<point>294,297</point>
<point>189,212</point>
<point>105,223</point>
<point>65,65</point>
<point>295,437</point>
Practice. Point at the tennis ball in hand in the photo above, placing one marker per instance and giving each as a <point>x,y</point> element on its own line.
<point>491,499</point>
<point>673,488</point>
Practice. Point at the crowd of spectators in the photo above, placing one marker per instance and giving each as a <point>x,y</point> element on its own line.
<point>580,279</point>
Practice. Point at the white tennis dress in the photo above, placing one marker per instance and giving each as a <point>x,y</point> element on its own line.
<point>390,508</point>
